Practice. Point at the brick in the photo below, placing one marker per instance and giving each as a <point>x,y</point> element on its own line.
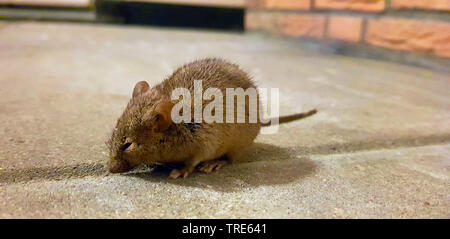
<point>353,5</point>
<point>345,28</point>
<point>261,21</point>
<point>288,4</point>
<point>441,5</point>
<point>429,37</point>
<point>251,21</point>
<point>286,24</point>
<point>302,25</point>
<point>255,4</point>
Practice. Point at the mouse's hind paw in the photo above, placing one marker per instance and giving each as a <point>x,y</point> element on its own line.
<point>211,166</point>
<point>181,173</point>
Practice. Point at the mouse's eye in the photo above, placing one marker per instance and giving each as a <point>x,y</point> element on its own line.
<point>125,146</point>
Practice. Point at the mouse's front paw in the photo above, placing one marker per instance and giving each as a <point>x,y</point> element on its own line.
<point>180,173</point>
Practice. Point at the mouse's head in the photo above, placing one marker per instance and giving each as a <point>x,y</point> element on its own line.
<point>139,130</point>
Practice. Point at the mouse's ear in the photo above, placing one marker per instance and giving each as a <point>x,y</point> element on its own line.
<point>162,115</point>
<point>140,88</point>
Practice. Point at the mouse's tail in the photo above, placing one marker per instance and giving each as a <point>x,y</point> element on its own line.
<point>289,118</point>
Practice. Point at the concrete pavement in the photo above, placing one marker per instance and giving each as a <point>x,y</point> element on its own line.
<point>379,146</point>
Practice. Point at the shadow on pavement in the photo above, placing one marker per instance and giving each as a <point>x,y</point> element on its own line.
<point>263,165</point>
<point>52,173</point>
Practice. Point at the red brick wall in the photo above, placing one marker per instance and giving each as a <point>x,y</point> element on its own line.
<point>394,24</point>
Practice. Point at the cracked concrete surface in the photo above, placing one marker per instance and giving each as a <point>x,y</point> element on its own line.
<point>378,148</point>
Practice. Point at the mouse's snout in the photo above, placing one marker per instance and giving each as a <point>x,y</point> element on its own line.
<point>118,162</point>
<point>118,166</point>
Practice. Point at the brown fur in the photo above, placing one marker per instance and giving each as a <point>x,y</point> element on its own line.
<point>145,133</point>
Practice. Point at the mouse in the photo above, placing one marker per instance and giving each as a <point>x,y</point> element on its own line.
<point>145,133</point>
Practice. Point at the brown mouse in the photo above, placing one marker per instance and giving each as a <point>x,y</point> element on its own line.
<point>146,134</point>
